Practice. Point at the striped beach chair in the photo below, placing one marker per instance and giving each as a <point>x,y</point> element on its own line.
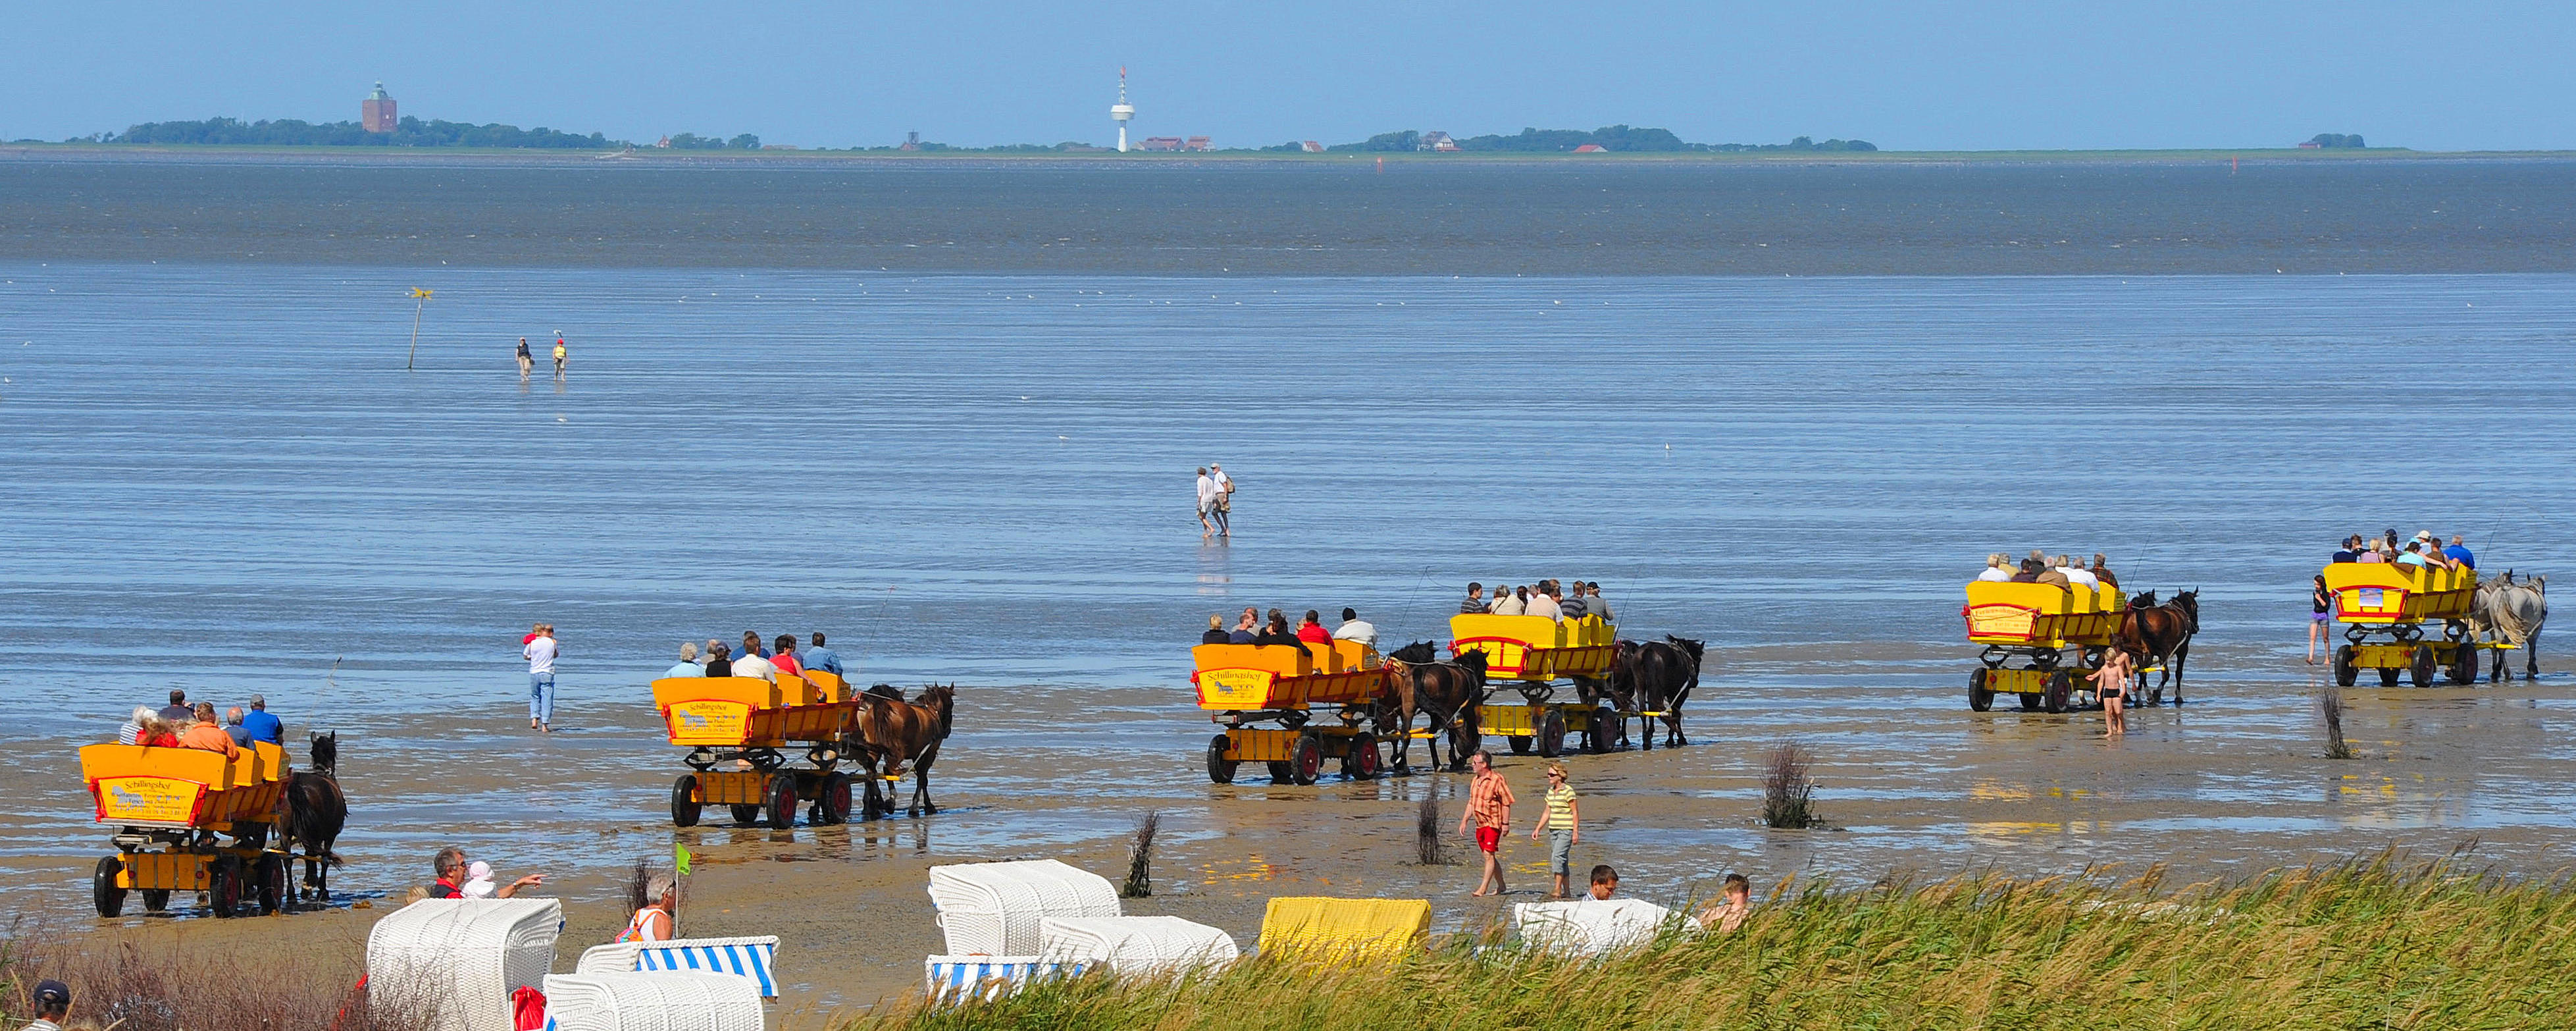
<point>742,957</point>
<point>948,980</point>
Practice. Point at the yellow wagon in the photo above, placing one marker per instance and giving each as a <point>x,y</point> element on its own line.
<point>741,732</point>
<point>1531,653</point>
<point>1243,685</point>
<point>2394,600</point>
<point>2041,641</point>
<point>172,809</point>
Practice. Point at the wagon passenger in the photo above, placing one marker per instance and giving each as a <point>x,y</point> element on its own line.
<point>2052,575</point>
<point>750,665</point>
<point>719,659</point>
<point>1506,603</point>
<point>1354,628</point>
<point>785,657</point>
<point>1542,602</point>
<point>233,727</point>
<point>1276,631</point>
<point>1245,632</point>
<point>2028,573</point>
<point>1592,602</point>
<point>815,656</point>
<point>751,646</point>
<point>1216,631</point>
<point>1311,630</point>
<point>1570,607</point>
<point>2102,571</point>
<point>688,665</point>
<point>156,732</point>
<point>2460,553</point>
<point>132,732</point>
<point>1994,569</point>
<point>1475,603</point>
<point>207,735</point>
<point>2076,574</point>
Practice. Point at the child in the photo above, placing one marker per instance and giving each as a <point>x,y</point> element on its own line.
<point>1737,904</point>
<point>1560,822</point>
<point>2110,681</point>
<point>1605,881</point>
<point>478,880</point>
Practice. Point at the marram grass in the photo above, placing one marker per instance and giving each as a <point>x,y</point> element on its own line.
<point>2369,944</point>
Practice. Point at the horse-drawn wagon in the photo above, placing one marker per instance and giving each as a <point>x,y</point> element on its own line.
<point>1244,685</point>
<point>2394,600</point>
<point>2041,641</point>
<point>1530,654</point>
<point>749,726</point>
<point>173,808</point>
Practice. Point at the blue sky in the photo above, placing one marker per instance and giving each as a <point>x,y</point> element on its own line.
<point>1968,75</point>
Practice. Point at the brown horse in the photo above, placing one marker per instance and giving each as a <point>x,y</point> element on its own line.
<point>2160,635</point>
<point>316,812</point>
<point>1657,676</point>
<point>1446,692</point>
<point>893,732</point>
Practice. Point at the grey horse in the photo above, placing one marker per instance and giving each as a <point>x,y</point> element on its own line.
<point>2511,612</point>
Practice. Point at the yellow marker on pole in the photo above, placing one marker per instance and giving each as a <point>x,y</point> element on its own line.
<point>421,296</point>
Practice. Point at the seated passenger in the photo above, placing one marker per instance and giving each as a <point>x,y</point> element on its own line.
<point>208,735</point>
<point>2076,575</point>
<point>785,657</point>
<point>1542,602</point>
<point>2371,554</point>
<point>688,664</point>
<point>1475,603</point>
<point>2460,553</point>
<point>748,665</point>
<point>1571,606</point>
<point>1592,603</point>
<point>234,729</point>
<point>2413,555</point>
<point>132,732</point>
<point>2027,572</point>
<point>158,733</point>
<point>1354,628</point>
<point>1216,631</point>
<point>1994,570</point>
<point>1311,630</point>
<point>1245,630</point>
<point>2102,571</point>
<point>719,660</point>
<point>2051,575</point>
<point>1510,601</point>
<point>1276,631</point>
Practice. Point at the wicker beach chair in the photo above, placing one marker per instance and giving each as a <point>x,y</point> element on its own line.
<point>947,980</point>
<point>1345,930</point>
<point>682,1000</point>
<point>994,908</point>
<point>1135,945</point>
<point>1589,927</point>
<point>742,957</point>
<point>463,957</point>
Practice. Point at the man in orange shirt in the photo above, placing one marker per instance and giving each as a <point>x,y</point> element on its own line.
<point>207,734</point>
<point>1489,805</point>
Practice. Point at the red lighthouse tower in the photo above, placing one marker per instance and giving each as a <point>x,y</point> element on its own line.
<point>376,113</point>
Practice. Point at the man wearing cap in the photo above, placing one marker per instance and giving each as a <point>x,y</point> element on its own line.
<point>262,726</point>
<point>53,1001</point>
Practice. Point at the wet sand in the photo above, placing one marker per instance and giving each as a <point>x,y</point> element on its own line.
<point>1912,781</point>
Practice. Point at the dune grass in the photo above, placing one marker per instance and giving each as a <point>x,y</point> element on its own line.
<point>2368,944</point>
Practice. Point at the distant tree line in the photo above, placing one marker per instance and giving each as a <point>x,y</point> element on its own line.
<point>693,141</point>
<point>409,132</point>
<point>2337,139</point>
<point>1621,138</point>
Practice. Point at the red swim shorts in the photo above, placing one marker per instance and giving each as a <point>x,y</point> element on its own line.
<point>1489,838</point>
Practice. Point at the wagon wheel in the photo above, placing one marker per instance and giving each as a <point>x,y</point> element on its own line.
<point>2388,677</point>
<point>224,886</point>
<point>1551,734</point>
<point>782,802</point>
<point>1281,772</point>
<point>2464,663</point>
<point>156,899</point>
<point>2422,667</point>
<point>272,884</point>
<point>1220,768</point>
<point>1980,698</point>
<point>1306,760</point>
<point>2345,672</point>
<point>103,889</point>
<point>746,815</point>
<point>832,803</point>
<point>684,801</point>
<point>1596,738</point>
<point>2029,701</point>
<point>1362,762</point>
<point>1520,744</point>
<point>2061,684</point>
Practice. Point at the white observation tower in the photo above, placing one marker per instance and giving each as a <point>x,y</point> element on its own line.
<point>1121,111</point>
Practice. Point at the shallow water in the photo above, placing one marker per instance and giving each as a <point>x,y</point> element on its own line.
<point>222,480</point>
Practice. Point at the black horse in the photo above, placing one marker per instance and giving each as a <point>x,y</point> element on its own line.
<point>1659,676</point>
<point>1445,692</point>
<point>316,812</point>
<point>2160,635</point>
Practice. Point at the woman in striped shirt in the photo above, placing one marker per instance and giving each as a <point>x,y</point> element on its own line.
<point>1561,824</point>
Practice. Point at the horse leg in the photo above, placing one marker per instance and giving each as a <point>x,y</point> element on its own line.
<point>2182,655</point>
<point>2531,654</point>
<point>1673,720</point>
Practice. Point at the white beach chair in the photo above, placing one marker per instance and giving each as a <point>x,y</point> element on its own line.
<point>682,1000</point>
<point>463,957</point>
<point>948,980</point>
<point>1589,927</point>
<point>742,957</point>
<point>1135,945</point>
<point>994,908</point>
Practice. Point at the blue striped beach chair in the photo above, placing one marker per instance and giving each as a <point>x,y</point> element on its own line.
<point>744,957</point>
<point>948,980</point>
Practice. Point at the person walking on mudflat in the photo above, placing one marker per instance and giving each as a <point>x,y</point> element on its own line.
<point>1207,503</point>
<point>560,354</point>
<point>1489,807</point>
<point>1223,511</point>
<point>540,653</point>
<point>527,362</point>
<point>2109,682</point>
<point>1561,822</point>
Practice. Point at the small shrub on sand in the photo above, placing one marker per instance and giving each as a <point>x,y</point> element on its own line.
<point>1140,857</point>
<point>2330,709</point>
<point>1788,793</point>
<point>119,983</point>
<point>1429,848</point>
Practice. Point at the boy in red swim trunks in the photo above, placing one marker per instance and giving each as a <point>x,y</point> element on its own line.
<point>1489,806</point>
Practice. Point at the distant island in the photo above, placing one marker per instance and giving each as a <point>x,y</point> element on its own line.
<point>433,133</point>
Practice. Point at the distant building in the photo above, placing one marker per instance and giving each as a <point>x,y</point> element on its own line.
<point>376,113</point>
<point>911,141</point>
<point>664,143</point>
<point>1196,143</point>
<point>1592,148</point>
<point>1313,147</point>
<point>1160,143</point>
<point>1439,141</point>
